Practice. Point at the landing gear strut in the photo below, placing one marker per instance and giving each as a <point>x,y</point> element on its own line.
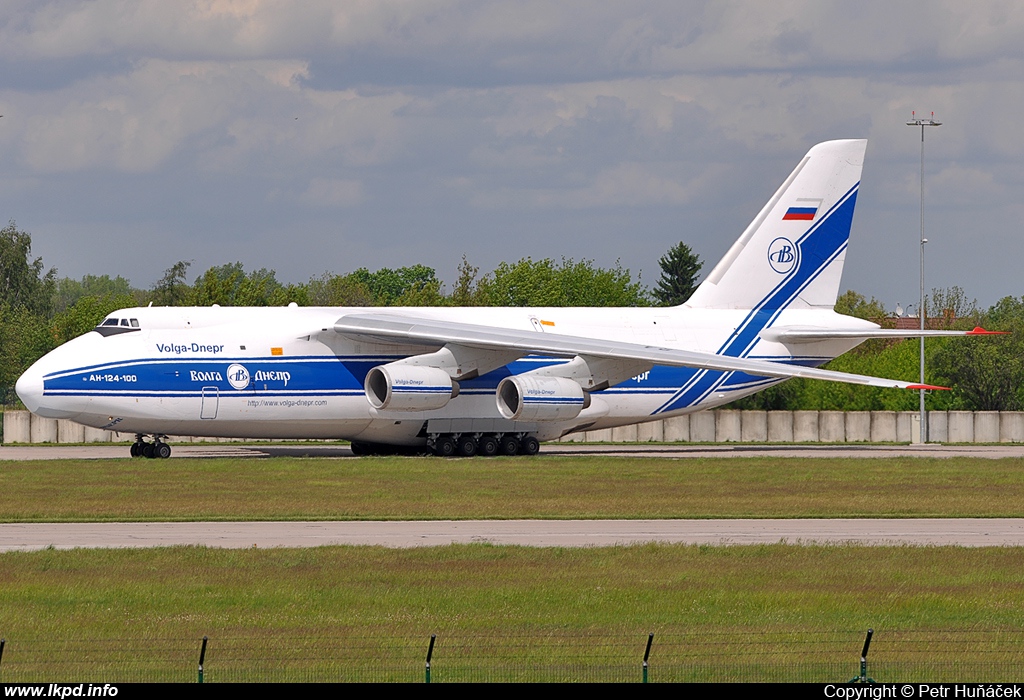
<point>157,449</point>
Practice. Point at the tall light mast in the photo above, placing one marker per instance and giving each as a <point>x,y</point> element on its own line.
<point>916,121</point>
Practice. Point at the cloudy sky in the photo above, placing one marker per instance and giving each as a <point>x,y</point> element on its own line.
<point>320,135</point>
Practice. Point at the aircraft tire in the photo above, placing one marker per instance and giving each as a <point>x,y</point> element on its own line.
<point>487,446</point>
<point>529,445</point>
<point>509,445</point>
<point>136,450</point>
<point>358,449</point>
<point>444,446</point>
<point>466,446</point>
<point>147,450</point>
<point>162,450</point>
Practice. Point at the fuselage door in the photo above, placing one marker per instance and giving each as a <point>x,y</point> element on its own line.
<point>211,401</point>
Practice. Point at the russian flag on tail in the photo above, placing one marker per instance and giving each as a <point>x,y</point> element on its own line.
<point>800,214</point>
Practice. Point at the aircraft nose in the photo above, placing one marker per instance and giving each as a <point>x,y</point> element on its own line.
<point>30,389</point>
<point>36,389</point>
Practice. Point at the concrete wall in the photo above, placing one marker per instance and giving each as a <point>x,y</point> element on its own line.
<point>858,426</point>
<point>780,426</point>
<point>727,426</point>
<point>883,426</point>
<point>961,426</point>
<point>625,433</point>
<point>676,429</point>
<point>652,431</point>
<point>986,426</point>
<point>831,426</point>
<point>805,426</point>
<point>1011,426</point>
<point>41,429</point>
<point>17,426</point>
<point>704,427</point>
<point>938,426</point>
<point>753,426</point>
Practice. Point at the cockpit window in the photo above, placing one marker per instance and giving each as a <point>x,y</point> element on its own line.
<point>117,326</point>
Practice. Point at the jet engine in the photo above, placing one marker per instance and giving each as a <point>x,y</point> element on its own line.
<point>528,397</point>
<point>403,387</point>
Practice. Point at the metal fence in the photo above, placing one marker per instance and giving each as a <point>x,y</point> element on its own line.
<point>968,655</point>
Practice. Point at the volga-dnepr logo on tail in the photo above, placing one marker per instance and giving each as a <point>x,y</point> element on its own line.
<point>782,255</point>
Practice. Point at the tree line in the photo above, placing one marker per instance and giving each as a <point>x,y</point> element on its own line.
<point>984,373</point>
<point>39,311</point>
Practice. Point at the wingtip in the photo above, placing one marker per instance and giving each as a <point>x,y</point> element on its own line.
<point>918,387</point>
<point>978,330</point>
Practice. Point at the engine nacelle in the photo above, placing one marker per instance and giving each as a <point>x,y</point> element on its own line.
<point>400,387</point>
<point>528,397</point>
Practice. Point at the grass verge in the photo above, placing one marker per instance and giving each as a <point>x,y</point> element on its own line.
<point>540,487</point>
<point>507,613</point>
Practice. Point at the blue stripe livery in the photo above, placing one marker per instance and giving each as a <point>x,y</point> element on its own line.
<point>819,247</point>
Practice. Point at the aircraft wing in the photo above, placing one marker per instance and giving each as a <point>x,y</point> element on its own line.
<point>811,335</point>
<point>392,328</point>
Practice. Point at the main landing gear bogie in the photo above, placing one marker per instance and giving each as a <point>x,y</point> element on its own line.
<point>157,449</point>
<point>485,445</point>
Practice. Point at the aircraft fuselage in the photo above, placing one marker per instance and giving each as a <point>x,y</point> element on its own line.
<point>285,373</point>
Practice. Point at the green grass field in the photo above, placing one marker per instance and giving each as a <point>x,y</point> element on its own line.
<point>780,612</point>
<point>748,613</point>
<point>540,487</point>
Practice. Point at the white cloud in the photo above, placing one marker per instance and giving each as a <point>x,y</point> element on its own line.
<point>162,28</point>
<point>586,38</point>
<point>324,192</point>
<point>227,113</point>
<point>576,113</point>
<point>965,186</point>
<point>624,185</point>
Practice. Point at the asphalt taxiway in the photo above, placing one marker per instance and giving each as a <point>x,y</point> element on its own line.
<point>965,532</point>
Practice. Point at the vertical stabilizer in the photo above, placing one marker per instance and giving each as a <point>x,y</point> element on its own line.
<point>792,253</point>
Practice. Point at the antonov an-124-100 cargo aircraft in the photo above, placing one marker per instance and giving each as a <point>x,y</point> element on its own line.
<point>485,381</point>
